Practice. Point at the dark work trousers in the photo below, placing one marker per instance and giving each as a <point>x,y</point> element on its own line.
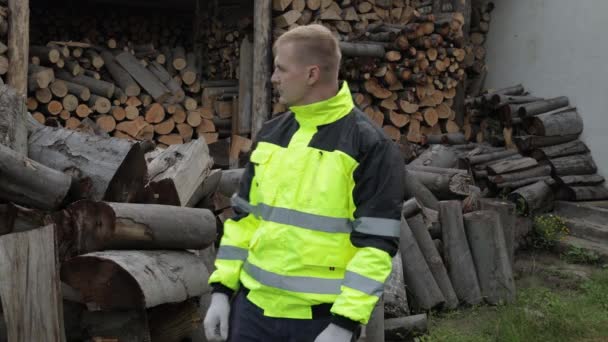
<point>248,324</point>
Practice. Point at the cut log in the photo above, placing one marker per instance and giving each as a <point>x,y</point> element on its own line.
<point>129,325</point>
<point>119,280</point>
<point>530,142</point>
<point>538,171</point>
<point>522,182</point>
<point>30,286</point>
<point>101,168</point>
<point>499,100</point>
<point>511,165</point>
<point>489,157</point>
<point>444,186</point>
<point>99,87</point>
<point>178,172</point>
<point>155,113</point>
<point>78,90</point>
<point>27,182</point>
<point>404,328</point>
<point>581,164</point>
<point>174,322</point>
<point>15,218</point>
<point>413,188</point>
<point>485,235</point>
<point>418,277</point>
<point>564,123</point>
<point>561,150</point>
<point>506,213</point>
<point>39,77</point>
<point>539,107</point>
<point>534,198</point>
<point>457,254</point>
<point>13,120</point>
<point>120,75</point>
<point>106,123</point>
<point>433,259</point>
<point>437,156</point>
<point>411,207</point>
<point>100,104</point>
<point>144,77</point>
<point>97,226</point>
<point>584,193</point>
<point>581,180</point>
<point>362,50</point>
<point>395,299</point>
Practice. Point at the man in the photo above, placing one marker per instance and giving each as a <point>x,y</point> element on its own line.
<point>318,211</point>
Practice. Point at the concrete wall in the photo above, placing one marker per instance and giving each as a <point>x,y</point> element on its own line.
<point>554,48</point>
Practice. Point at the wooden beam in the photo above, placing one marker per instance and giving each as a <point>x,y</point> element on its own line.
<point>29,286</point>
<point>241,122</point>
<point>18,44</point>
<point>262,30</point>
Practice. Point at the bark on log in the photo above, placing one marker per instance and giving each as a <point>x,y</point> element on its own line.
<point>414,188</point>
<point>539,107</point>
<point>418,277</point>
<point>14,218</point>
<point>96,226</point>
<point>581,180</point>
<point>538,171</point>
<point>444,186</point>
<point>13,120</point>
<point>437,156</point>
<point>402,328</point>
<point>580,164</point>
<point>18,45</point>
<point>522,182</point>
<point>411,207</point>
<point>29,183</point>
<point>485,235</point>
<point>120,75</point>
<point>511,165</point>
<point>174,322</point>
<point>530,142</point>
<point>99,87</point>
<point>123,280</point>
<point>30,287</point>
<point>127,326</point>
<point>433,260</point>
<point>488,157</point>
<point>534,198</point>
<point>144,77</point>
<point>506,212</point>
<point>564,123</point>
<point>177,172</point>
<point>457,254</point>
<point>561,150</point>
<point>395,298</point>
<point>101,168</point>
<point>439,170</point>
<point>585,193</point>
<point>499,100</point>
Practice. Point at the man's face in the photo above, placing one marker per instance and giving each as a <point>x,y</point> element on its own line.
<point>290,77</point>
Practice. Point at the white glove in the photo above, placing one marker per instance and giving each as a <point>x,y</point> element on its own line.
<point>216,320</point>
<point>334,333</point>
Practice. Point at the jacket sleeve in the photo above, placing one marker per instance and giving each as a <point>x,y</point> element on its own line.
<point>234,244</point>
<point>378,197</point>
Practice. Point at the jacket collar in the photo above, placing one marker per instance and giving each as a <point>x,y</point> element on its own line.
<point>326,111</point>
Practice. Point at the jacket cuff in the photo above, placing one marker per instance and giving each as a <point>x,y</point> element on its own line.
<point>220,288</point>
<point>345,323</point>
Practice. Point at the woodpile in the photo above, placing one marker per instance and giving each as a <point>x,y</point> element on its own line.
<point>403,66</point>
<point>143,75</point>
<point>3,41</point>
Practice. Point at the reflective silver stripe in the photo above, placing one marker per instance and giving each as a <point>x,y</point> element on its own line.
<point>294,283</point>
<point>232,253</point>
<point>378,226</point>
<point>363,284</point>
<point>294,217</point>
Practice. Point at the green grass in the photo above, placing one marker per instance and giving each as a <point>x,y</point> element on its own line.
<point>539,314</point>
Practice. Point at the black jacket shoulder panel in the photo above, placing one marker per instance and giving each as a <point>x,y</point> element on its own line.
<point>279,130</point>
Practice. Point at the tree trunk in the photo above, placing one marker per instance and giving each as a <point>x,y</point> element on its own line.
<point>102,168</point>
<point>530,142</point>
<point>18,45</point>
<point>262,52</point>
<point>13,120</point>
<point>30,288</point>
<point>418,277</point>
<point>534,198</point>
<point>433,260</point>
<point>539,107</point>
<point>96,226</point>
<point>485,235</point>
<point>580,164</point>
<point>506,212</point>
<point>511,165</point>
<point>395,298</point>
<point>457,254</point>
<point>123,280</point>
<point>564,123</point>
<point>29,183</point>
<point>402,328</point>
<point>561,150</point>
<point>177,172</point>
<point>413,187</point>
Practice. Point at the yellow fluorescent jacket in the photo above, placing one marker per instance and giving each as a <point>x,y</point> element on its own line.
<point>318,214</point>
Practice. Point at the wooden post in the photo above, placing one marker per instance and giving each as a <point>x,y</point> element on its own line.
<point>18,44</point>
<point>241,120</point>
<point>262,29</point>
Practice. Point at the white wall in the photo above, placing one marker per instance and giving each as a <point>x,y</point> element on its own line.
<point>554,48</point>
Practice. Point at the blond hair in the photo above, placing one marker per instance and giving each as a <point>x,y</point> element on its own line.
<point>317,45</point>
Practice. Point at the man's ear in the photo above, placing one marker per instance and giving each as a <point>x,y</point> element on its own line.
<point>314,74</point>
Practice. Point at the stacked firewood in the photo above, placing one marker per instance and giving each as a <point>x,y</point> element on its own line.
<point>403,66</point>
<point>128,227</point>
<point>3,39</point>
<point>134,76</point>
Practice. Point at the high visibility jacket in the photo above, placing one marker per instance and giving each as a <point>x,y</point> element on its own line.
<point>318,215</point>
